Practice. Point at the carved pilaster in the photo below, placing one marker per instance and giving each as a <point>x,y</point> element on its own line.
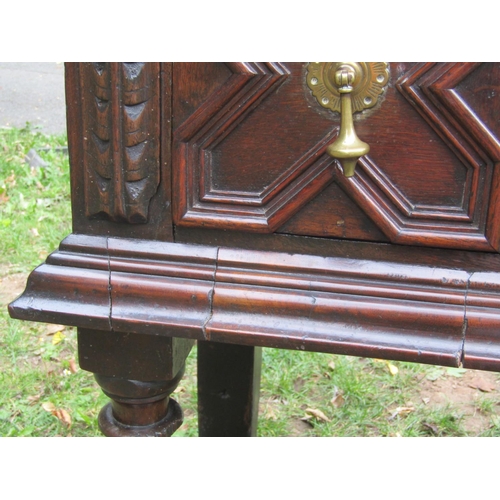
<point>121,128</point>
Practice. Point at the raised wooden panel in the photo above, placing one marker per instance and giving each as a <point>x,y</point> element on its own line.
<point>194,83</point>
<point>251,156</point>
<point>333,214</point>
<point>453,205</point>
<point>477,94</point>
<point>233,167</point>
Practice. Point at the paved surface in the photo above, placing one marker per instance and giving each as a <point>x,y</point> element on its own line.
<point>33,92</point>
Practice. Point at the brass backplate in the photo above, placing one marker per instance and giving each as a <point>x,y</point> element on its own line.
<point>370,79</point>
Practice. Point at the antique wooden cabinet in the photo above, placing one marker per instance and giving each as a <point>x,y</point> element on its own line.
<point>216,202</point>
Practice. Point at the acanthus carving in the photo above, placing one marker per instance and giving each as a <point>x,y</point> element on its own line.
<point>121,139</point>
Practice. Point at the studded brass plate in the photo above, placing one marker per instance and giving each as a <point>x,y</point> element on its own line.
<point>370,79</point>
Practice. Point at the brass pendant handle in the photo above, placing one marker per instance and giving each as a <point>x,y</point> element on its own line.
<point>347,87</point>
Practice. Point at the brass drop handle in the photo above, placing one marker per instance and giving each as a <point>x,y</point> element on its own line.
<point>348,88</point>
<point>348,148</point>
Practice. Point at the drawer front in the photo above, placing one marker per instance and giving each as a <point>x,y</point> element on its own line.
<point>249,154</point>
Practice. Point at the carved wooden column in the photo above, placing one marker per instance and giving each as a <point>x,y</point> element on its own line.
<point>120,169</point>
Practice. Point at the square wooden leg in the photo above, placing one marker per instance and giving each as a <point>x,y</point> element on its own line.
<point>228,389</point>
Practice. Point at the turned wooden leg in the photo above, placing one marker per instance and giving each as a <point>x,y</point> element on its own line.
<point>228,389</point>
<point>139,409</point>
<point>138,372</point>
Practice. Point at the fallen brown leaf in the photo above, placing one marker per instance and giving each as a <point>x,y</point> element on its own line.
<point>50,407</point>
<point>34,399</point>
<point>317,414</point>
<point>393,370</point>
<point>401,410</point>
<point>482,385</point>
<point>338,401</point>
<point>58,338</point>
<point>72,366</point>
<point>63,416</point>
<point>269,412</point>
<point>433,428</point>
<point>52,329</point>
<point>338,398</point>
<point>14,415</point>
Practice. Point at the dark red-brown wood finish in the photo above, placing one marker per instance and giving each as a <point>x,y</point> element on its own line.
<point>205,207</point>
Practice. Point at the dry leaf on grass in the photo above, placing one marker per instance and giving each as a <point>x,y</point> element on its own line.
<point>11,179</point>
<point>34,399</point>
<point>58,338</point>
<point>401,410</point>
<point>269,412</point>
<point>338,398</point>
<point>482,385</point>
<point>338,401</point>
<point>72,366</point>
<point>61,414</point>
<point>393,370</point>
<point>318,414</point>
<point>14,415</point>
<point>433,428</point>
<point>52,329</point>
<point>50,407</point>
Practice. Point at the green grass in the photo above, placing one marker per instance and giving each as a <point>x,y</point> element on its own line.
<point>302,393</point>
<point>34,202</point>
<point>35,367</point>
<point>368,401</point>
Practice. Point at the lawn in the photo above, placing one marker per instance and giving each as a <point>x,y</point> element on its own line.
<point>44,393</point>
